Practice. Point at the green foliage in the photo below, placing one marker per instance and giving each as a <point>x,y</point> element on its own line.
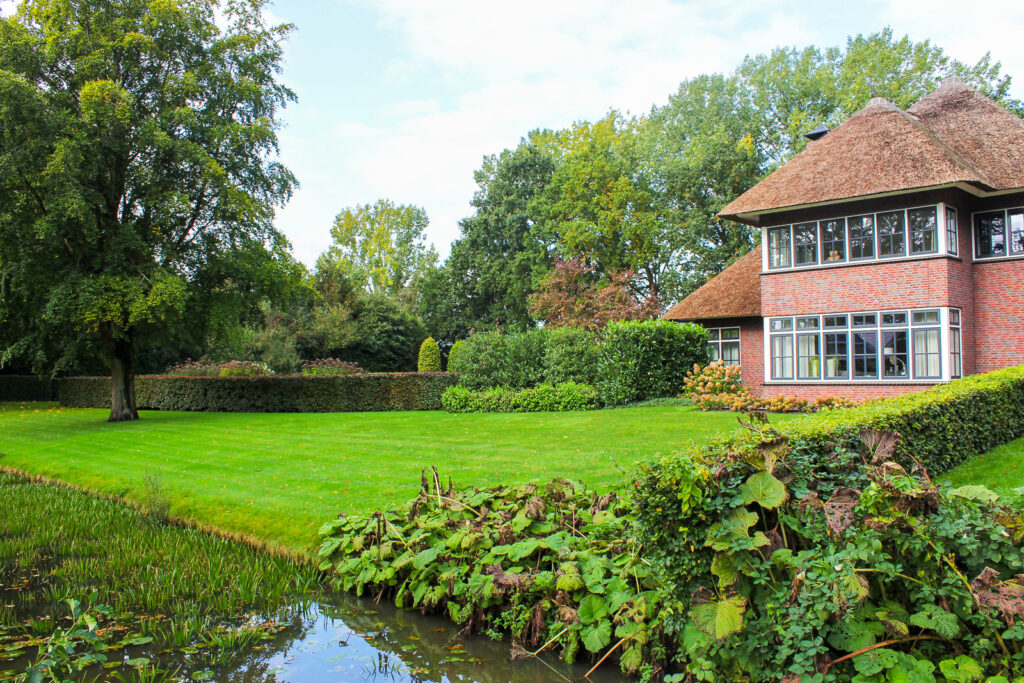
<point>27,388</point>
<point>277,394</point>
<point>235,368</point>
<point>648,359</point>
<point>831,546</point>
<point>570,355</point>
<point>542,398</point>
<point>381,247</point>
<point>547,564</point>
<point>496,359</point>
<point>430,356</point>
<point>330,366</point>
<point>387,336</point>
<point>455,355</point>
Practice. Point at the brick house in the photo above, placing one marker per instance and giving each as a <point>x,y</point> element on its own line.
<point>891,258</point>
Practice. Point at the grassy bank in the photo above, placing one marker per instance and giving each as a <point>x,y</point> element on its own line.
<point>164,589</point>
<point>1001,469</point>
<point>277,477</point>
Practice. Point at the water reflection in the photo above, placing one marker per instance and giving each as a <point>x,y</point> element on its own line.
<point>348,639</point>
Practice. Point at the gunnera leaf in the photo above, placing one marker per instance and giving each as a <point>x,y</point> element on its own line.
<point>764,488</point>
<point>975,493</point>
<point>720,618</point>
<point>597,637</point>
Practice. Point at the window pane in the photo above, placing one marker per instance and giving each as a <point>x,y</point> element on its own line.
<point>924,230</point>
<point>713,333</point>
<point>990,234</point>
<point>731,353</point>
<point>730,333</point>
<point>805,239</point>
<point>778,248</point>
<point>782,357</point>
<point>926,354</point>
<point>1015,218</point>
<point>864,320</point>
<point>715,352</point>
<point>954,317</point>
<point>862,237</point>
<point>893,319</point>
<point>835,321</point>
<point>837,362</point>
<point>894,354</point>
<point>891,238</point>
<point>807,323</point>
<point>833,240</point>
<point>808,356</point>
<point>782,324</point>
<point>865,355</point>
<point>952,238</point>
<point>926,317</point>
<point>955,359</point>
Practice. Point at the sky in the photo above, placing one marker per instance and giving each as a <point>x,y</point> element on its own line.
<point>402,99</point>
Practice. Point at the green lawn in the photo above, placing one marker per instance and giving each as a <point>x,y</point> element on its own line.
<point>1001,469</point>
<point>277,477</point>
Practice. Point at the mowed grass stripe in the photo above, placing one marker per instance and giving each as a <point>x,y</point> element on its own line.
<point>277,477</point>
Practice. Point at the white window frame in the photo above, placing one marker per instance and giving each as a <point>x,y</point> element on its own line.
<point>717,341</point>
<point>1007,236</point>
<point>790,326</point>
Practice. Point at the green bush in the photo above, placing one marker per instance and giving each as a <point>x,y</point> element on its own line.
<point>496,359</point>
<point>278,394</point>
<point>455,355</point>
<point>542,398</point>
<point>330,367</point>
<point>639,360</point>
<point>570,355</point>
<point>27,388</point>
<point>430,356</point>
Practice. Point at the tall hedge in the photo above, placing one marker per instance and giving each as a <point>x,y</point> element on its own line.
<point>570,355</point>
<point>27,388</point>
<point>496,359</point>
<point>275,394</point>
<point>639,360</point>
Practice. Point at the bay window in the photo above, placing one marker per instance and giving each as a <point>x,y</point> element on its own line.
<point>955,355</point>
<point>924,230</point>
<point>952,235</point>
<point>990,234</point>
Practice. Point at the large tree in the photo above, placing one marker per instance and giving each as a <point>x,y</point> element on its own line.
<point>382,246</point>
<point>136,157</point>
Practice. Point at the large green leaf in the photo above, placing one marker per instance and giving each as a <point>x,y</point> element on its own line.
<point>720,618</point>
<point>724,567</point>
<point>765,489</point>
<point>597,637</point>
<point>592,608</point>
<point>937,619</point>
<point>976,493</point>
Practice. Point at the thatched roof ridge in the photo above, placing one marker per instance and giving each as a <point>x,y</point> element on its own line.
<point>733,293</point>
<point>953,135</point>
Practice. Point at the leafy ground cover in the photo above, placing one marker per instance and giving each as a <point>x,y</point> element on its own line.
<point>1001,469</point>
<point>277,477</point>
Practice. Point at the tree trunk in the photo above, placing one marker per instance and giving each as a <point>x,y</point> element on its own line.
<point>122,380</point>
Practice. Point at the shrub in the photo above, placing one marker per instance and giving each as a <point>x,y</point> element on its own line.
<point>430,356</point>
<point>714,378</point>
<point>496,359</point>
<point>570,355</point>
<point>648,359</point>
<point>330,366</point>
<point>276,394</point>
<point>244,368</point>
<point>542,398</point>
<point>209,368</point>
<point>455,355</point>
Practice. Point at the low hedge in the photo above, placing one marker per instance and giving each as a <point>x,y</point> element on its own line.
<point>276,394</point>
<point>27,388</point>
<point>545,398</point>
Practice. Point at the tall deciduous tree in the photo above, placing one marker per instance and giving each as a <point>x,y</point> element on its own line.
<point>382,245</point>
<point>136,145</point>
<point>574,294</point>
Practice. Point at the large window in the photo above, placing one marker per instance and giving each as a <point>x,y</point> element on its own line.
<point>862,237</point>
<point>1015,222</point>
<point>778,248</point>
<point>725,344</point>
<point>990,234</point>
<point>805,244</point>
<point>892,239</point>
<point>868,346</point>
<point>924,230</point>
<point>833,240</point>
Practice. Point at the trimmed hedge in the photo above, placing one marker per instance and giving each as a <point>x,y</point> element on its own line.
<point>278,394</point>
<point>544,398</point>
<point>497,359</point>
<point>639,360</point>
<point>27,388</point>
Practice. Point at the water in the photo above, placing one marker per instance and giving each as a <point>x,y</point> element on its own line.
<point>350,639</point>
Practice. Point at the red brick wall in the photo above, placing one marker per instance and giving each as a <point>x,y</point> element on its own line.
<point>999,314</point>
<point>855,391</point>
<point>751,347</point>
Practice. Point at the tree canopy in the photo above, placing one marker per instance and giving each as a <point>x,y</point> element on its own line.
<point>137,172</point>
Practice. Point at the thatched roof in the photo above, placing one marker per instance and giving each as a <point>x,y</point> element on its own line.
<point>733,293</point>
<point>953,135</point>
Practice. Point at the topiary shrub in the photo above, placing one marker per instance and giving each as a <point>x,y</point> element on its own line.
<point>456,356</point>
<point>570,355</point>
<point>430,356</point>
<point>648,359</point>
<point>542,398</point>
